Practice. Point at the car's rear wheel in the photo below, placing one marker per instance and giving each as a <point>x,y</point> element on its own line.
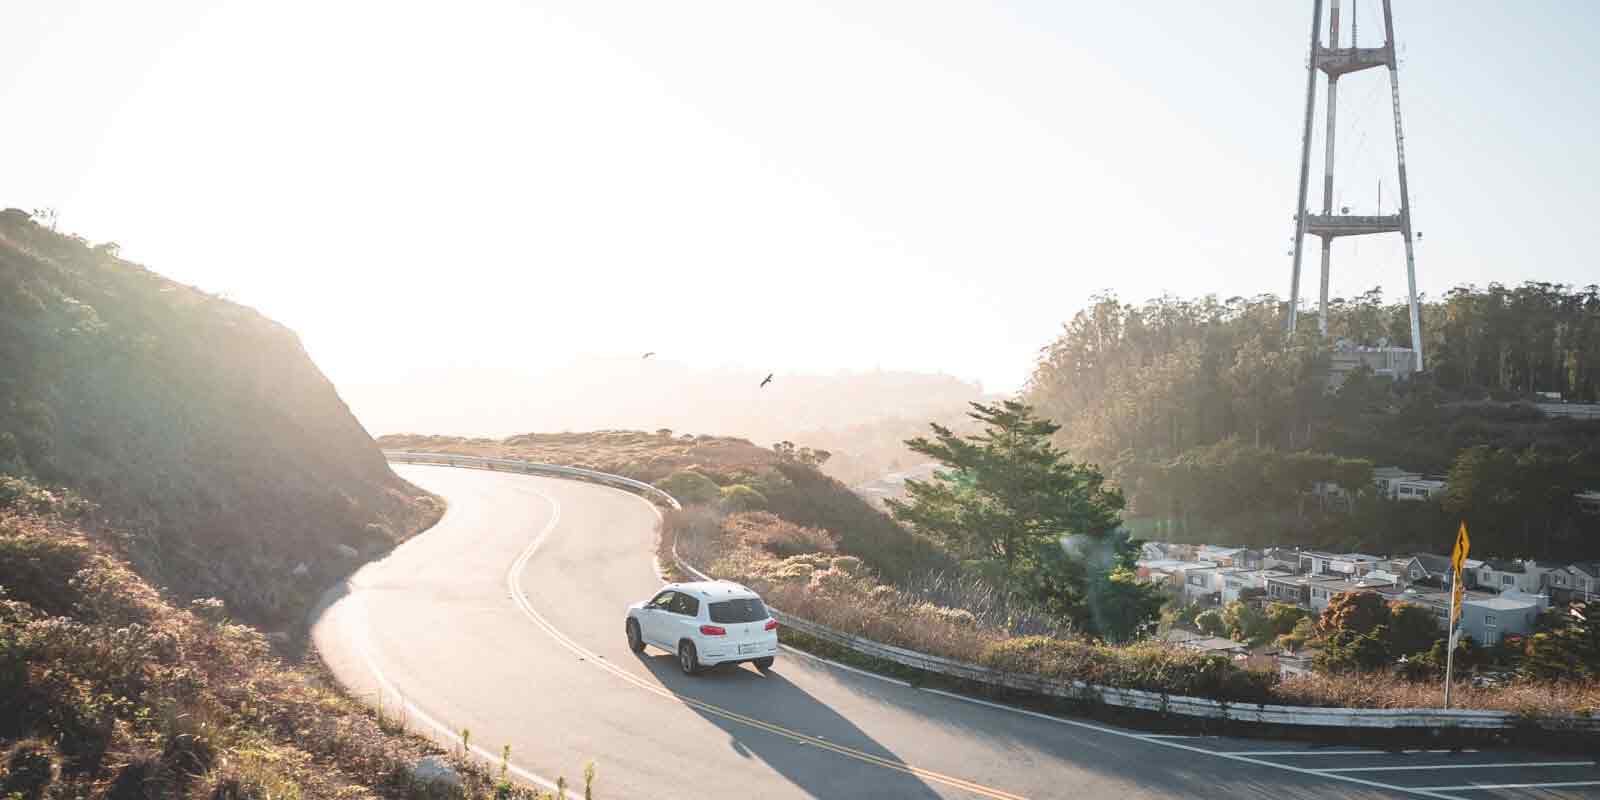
<point>687,660</point>
<point>635,641</point>
<point>763,664</point>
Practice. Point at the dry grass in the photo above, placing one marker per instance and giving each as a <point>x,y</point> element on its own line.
<point>1386,690</point>
<point>106,689</point>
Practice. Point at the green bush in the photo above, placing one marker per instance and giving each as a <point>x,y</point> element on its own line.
<point>1211,623</point>
<point>739,497</point>
<point>690,488</point>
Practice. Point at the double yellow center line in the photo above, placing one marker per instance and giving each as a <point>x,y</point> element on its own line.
<point>513,579</point>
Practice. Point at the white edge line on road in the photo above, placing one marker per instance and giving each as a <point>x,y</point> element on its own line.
<point>1484,786</point>
<point>362,647</point>
<point>385,687</point>
<point>1427,792</point>
<point>1413,751</point>
<point>1302,753</point>
<point>1501,765</point>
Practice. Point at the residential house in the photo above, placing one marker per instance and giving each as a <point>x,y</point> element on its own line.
<point>1438,601</point>
<point>1235,581</point>
<point>1221,556</point>
<point>1489,619</point>
<point>1248,558</point>
<point>1288,588</point>
<point>1316,562</point>
<point>1162,571</point>
<point>1426,568</point>
<point>1324,589</point>
<point>1418,488</point>
<point>1578,582</point>
<point>1388,478</point>
<point>1206,644</point>
<point>1511,575</point>
<point>1281,558</point>
<point>1237,651</point>
<point>1200,582</point>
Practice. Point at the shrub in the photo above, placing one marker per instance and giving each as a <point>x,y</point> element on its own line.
<point>690,488</point>
<point>768,532</point>
<point>1150,666</point>
<point>739,498</point>
<point>30,768</point>
<point>1210,623</point>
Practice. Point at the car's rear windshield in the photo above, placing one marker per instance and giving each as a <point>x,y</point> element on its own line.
<point>748,609</point>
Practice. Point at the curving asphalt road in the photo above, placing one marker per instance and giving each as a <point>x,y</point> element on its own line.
<point>506,619</point>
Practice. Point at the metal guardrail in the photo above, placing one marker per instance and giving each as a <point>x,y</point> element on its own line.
<point>532,468</point>
<point>1384,718</point>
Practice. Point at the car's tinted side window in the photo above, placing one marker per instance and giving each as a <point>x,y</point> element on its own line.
<point>685,605</point>
<point>663,601</point>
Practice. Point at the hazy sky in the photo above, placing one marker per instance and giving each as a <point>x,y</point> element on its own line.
<point>793,186</point>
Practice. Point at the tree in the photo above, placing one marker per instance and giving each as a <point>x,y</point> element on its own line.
<point>1348,651</point>
<point>1246,624</point>
<point>1353,612</point>
<point>1211,623</point>
<point>1282,618</point>
<point>1412,629</point>
<point>1567,648</point>
<point>1122,606</point>
<point>1006,490</point>
<point>1016,510</point>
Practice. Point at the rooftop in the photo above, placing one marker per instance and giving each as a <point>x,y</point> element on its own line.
<point>1505,603</point>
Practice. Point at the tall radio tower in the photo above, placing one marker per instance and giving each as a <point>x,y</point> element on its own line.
<point>1335,61</point>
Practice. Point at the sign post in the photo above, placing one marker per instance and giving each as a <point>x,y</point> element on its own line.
<point>1458,558</point>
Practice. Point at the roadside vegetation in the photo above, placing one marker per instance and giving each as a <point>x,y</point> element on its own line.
<point>1020,597</point>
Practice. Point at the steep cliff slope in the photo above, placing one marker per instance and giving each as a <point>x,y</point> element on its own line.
<point>195,424</point>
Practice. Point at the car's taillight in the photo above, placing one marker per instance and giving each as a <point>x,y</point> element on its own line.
<point>772,624</point>
<point>713,630</point>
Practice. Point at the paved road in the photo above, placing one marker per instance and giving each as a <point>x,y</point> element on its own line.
<point>506,619</point>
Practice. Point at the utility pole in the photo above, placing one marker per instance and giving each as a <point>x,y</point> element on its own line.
<point>1334,62</point>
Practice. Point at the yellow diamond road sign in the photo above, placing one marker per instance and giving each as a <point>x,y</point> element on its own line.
<point>1458,556</point>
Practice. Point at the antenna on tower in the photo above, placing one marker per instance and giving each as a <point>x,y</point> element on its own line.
<point>1334,62</point>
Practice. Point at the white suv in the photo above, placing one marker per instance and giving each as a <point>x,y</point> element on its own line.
<point>705,623</point>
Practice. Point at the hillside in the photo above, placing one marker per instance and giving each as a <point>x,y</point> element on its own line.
<point>1217,425</point>
<point>706,469</point>
<point>197,427</point>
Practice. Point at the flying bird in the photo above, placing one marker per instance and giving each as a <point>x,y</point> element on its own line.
<point>765,382</point>
<point>649,354</point>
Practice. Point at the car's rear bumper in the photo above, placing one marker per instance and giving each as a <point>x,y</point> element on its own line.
<point>711,655</point>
